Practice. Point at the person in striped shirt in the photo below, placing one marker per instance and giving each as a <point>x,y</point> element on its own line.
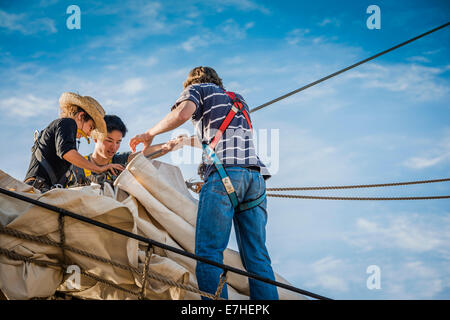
<point>205,102</point>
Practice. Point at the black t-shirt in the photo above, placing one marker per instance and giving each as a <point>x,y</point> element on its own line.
<point>54,142</point>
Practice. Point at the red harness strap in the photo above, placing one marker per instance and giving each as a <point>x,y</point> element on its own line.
<point>235,108</point>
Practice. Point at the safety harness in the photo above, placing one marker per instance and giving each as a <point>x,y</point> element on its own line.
<point>55,182</point>
<point>100,178</point>
<point>236,107</point>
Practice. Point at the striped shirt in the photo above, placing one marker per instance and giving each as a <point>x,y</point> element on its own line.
<point>236,147</point>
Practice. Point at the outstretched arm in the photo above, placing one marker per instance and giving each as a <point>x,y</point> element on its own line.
<point>171,145</point>
<point>150,150</point>
<point>171,121</point>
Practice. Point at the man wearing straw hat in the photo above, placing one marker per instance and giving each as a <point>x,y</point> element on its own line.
<point>55,149</point>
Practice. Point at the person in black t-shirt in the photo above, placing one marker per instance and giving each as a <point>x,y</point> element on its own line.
<point>55,149</point>
<point>105,152</point>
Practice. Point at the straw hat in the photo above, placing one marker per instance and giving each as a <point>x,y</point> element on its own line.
<point>91,106</point>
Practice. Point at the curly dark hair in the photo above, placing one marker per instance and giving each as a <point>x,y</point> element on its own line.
<point>203,75</point>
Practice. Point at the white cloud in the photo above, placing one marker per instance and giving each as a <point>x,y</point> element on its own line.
<point>296,36</point>
<point>420,83</point>
<point>312,161</point>
<point>195,42</point>
<point>438,152</point>
<point>150,61</point>
<point>12,21</point>
<point>414,279</point>
<point>239,87</point>
<point>304,37</point>
<point>328,274</point>
<point>148,19</point>
<point>406,232</point>
<point>233,30</point>
<point>133,86</point>
<point>26,24</point>
<point>229,29</point>
<point>236,60</point>
<point>152,18</point>
<point>27,106</point>
<point>418,59</point>
<point>421,163</point>
<point>47,3</point>
<point>47,24</point>
<point>330,21</point>
<point>244,5</point>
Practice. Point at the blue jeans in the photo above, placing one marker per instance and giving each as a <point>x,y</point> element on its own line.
<point>214,221</point>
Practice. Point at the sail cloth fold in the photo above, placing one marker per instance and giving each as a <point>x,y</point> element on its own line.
<point>150,199</point>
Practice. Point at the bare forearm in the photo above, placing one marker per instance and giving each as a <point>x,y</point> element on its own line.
<point>168,123</point>
<point>174,119</point>
<point>149,150</point>
<point>152,149</point>
<point>78,160</point>
<point>171,121</point>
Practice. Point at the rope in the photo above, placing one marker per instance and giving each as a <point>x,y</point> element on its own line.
<point>62,237</point>
<point>158,244</point>
<point>159,277</point>
<point>150,274</point>
<point>222,281</point>
<point>348,68</point>
<point>111,284</point>
<point>353,198</point>
<point>358,186</point>
<point>148,254</point>
<point>18,257</point>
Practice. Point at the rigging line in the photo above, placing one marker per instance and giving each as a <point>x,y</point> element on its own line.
<point>348,68</point>
<point>156,243</point>
<point>354,198</point>
<point>358,186</point>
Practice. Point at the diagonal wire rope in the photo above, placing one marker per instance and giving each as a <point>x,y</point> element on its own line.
<point>348,68</point>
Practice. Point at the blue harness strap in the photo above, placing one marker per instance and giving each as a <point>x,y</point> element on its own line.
<point>223,175</point>
<point>251,204</point>
<point>236,107</point>
<point>229,186</point>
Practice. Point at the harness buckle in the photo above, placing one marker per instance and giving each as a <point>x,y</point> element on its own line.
<point>228,185</point>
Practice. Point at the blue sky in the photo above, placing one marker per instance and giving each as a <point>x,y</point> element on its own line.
<point>385,121</point>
